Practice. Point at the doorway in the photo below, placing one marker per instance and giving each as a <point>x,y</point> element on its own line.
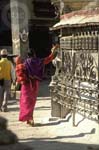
<point>40,39</point>
<point>5,25</point>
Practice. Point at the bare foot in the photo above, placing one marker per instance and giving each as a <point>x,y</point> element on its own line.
<point>30,122</point>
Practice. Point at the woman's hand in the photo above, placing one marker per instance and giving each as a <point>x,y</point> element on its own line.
<point>57,46</point>
<point>54,47</point>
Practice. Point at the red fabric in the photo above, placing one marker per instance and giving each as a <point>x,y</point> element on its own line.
<point>29,92</point>
<point>27,100</point>
<point>21,73</point>
<point>48,59</point>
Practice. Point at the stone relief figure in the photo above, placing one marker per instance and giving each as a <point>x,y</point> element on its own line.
<point>57,62</point>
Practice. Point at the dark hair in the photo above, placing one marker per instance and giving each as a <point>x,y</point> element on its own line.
<point>31,53</point>
<point>3,56</point>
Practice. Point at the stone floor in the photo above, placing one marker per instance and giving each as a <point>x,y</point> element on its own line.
<point>59,134</point>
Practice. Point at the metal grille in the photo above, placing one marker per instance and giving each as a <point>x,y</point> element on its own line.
<point>76,84</point>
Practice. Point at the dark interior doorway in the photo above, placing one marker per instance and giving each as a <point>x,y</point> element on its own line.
<point>40,40</point>
<point>5,24</point>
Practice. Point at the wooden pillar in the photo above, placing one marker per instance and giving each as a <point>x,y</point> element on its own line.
<point>19,26</point>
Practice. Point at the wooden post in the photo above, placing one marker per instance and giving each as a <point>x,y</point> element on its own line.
<point>19,25</point>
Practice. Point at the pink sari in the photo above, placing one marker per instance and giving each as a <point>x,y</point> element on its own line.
<point>27,100</point>
<point>29,91</point>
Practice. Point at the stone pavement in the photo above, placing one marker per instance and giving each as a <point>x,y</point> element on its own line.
<point>59,134</point>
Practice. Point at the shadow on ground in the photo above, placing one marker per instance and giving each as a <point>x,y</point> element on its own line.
<point>45,144</point>
<point>67,136</point>
<point>48,144</point>
<point>17,146</point>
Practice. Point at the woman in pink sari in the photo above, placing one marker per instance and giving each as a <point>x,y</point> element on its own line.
<point>33,68</point>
